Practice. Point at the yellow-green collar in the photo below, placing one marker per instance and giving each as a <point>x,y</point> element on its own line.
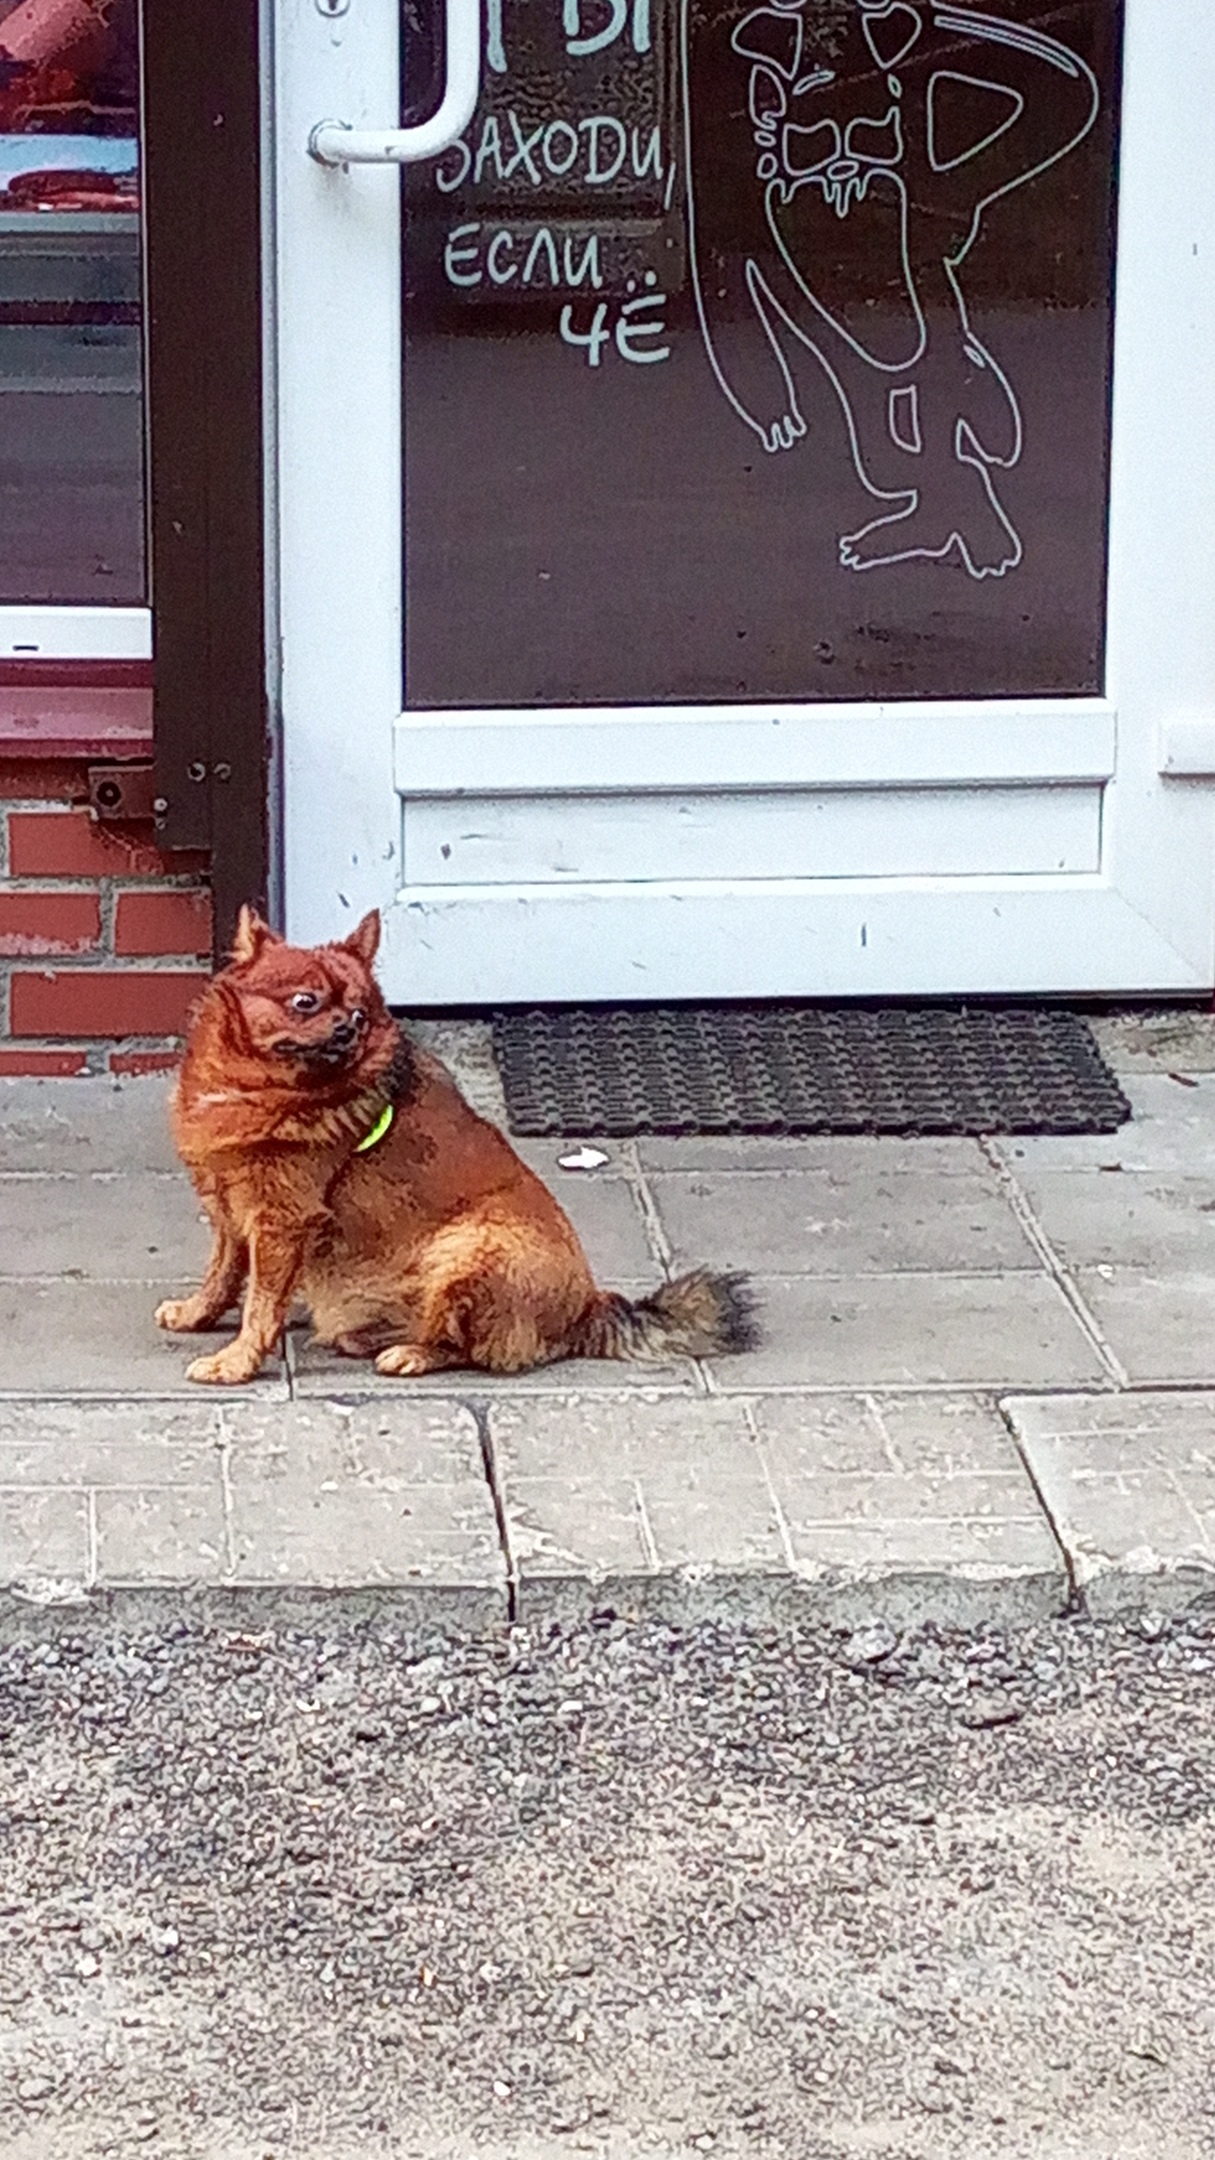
<point>378,1130</point>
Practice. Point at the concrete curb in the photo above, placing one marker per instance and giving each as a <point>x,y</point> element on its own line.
<point>425,1620</point>
<point>459,1516</point>
<point>1129,1483</point>
<point>465,1515</point>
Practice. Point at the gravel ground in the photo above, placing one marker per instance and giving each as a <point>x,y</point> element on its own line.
<point>317,1889</point>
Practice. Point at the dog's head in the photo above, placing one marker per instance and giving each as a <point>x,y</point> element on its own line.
<point>317,1009</point>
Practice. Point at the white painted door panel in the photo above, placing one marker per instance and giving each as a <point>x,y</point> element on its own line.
<point>787,833</point>
<point>736,747</point>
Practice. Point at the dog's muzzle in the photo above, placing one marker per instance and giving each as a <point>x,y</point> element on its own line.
<point>345,1035</point>
<point>335,1049</point>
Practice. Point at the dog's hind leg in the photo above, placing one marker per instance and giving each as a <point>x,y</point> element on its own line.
<point>491,1293</point>
<point>409,1360</point>
<point>482,1323</point>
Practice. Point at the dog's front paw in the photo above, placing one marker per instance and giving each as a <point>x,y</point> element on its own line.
<point>229,1367</point>
<point>182,1316</point>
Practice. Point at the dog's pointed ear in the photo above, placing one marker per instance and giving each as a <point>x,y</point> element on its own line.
<point>364,942</point>
<point>251,934</point>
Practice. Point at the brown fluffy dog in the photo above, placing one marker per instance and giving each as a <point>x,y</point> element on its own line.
<point>340,1165</point>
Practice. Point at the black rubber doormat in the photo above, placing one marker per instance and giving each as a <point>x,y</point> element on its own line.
<point>804,1069</point>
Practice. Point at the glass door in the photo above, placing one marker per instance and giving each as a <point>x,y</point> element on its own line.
<point>732,542</point>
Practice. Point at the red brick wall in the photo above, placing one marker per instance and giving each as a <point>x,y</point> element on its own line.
<point>104,938</point>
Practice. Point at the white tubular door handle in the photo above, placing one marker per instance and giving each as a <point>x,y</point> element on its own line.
<point>334,142</point>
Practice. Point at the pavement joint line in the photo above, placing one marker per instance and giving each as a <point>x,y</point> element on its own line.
<point>903,1274</point>
<point>90,1519</point>
<point>223,1448</point>
<point>659,1243</point>
<point>984,1385</point>
<point>479,1409</point>
<point>780,1173</point>
<point>1023,1208</point>
<point>873,1411</point>
<point>1144,1387</point>
<point>1075,1598</point>
<point>125,1282</point>
<point>910,1522</point>
<point>138,1398</point>
<point>656,1236</point>
<point>648,1538</point>
<point>1185,1502</point>
<point>782,1522</point>
<point>83,1176</point>
<point>981,1384</point>
<point>778,1275</point>
<point>137,1485</point>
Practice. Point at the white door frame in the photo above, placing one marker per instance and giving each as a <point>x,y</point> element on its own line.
<point>1145,920</point>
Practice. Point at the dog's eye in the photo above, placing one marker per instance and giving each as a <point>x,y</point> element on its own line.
<point>305,1001</point>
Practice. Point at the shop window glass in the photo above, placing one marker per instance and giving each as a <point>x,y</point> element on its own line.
<point>71,363</point>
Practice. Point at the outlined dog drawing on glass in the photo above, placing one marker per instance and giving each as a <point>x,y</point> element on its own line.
<point>841,156</point>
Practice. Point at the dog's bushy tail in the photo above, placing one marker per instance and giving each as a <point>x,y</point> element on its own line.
<point>698,1315</point>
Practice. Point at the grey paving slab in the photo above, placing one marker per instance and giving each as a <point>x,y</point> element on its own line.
<point>111,1444</point>
<point>84,1125</point>
<point>1146,1041</point>
<point>44,1536</point>
<point>370,1497</point>
<point>649,1500</point>
<point>610,1225</point>
<point>920,1503</point>
<point>1160,1326</point>
<point>149,1473</point>
<point>251,1495</point>
<point>160,1535</point>
<point>99,1338</point>
<point>909,1331</point>
<point>1172,1130</point>
<point>544,1157</point>
<point>844,1155</point>
<point>917,1509</point>
<point>466,1048</point>
<point>827,1221</point>
<point>106,1226</point>
<point>1136,1218</point>
<point>1130,1484</point>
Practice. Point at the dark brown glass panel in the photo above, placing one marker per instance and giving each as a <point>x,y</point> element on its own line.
<point>71,373</point>
<point>763,351</point>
